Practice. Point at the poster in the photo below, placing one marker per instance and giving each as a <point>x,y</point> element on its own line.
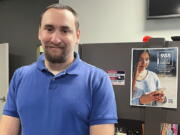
<point>117,77</point>
<point>154,77</point>
<point>169,129</point>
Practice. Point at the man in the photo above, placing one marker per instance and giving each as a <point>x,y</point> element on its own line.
<point>59,94</point>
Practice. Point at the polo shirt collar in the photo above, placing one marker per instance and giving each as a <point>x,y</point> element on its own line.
<point>74,68</point>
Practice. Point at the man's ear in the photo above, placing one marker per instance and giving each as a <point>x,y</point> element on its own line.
<point>78,36</point>
<point>39,35</point>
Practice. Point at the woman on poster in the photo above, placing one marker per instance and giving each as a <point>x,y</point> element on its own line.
<point>146,89</point>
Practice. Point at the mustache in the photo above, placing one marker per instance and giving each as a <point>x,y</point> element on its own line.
<point>55,46</point>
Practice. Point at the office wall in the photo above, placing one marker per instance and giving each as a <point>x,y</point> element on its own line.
<point>19,26</point>
<point>107,21</point>
<point>117,21</point>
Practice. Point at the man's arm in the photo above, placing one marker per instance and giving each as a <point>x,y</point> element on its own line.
<point>103,129</point>
<point>9,125</point>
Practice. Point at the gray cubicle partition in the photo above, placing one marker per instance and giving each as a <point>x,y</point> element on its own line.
<point>117,56</point>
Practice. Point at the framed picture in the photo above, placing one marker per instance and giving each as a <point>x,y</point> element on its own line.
<point>154,77</point>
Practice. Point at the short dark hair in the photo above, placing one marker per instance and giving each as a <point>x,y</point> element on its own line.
<point>61,6</point>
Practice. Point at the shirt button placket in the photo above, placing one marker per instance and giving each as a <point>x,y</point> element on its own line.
<point>52,84</point>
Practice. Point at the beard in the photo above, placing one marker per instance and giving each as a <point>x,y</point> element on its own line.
<point>59,56</point>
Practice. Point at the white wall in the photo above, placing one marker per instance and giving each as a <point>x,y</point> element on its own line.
<point>119,21</point>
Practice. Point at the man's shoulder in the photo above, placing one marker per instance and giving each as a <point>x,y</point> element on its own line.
<point>22,73</point>
<point>92,68</point>
<point>25,69</point>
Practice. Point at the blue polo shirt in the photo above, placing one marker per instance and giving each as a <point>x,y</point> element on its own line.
<point>64,104</point>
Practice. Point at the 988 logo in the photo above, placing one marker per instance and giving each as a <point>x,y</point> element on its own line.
<point>165,57</point>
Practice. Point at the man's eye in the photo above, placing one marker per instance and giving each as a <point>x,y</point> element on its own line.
<point>49,29</point>
<point>65,31</point>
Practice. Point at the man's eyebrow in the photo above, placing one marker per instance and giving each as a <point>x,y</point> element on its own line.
<point>65,27</point>
<point>62,27</point>
<point>48,25</point>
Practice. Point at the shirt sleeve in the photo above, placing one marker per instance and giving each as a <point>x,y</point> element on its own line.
<point>10,107</point>
<point>136,97</point>
<point>103,103</point>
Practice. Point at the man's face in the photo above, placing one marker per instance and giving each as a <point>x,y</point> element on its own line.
<point>58,35</point>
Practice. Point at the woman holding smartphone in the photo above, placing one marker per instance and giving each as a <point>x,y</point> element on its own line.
<point>146,89</point>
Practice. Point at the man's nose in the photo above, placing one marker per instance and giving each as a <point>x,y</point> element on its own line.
<point>55,38</point>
